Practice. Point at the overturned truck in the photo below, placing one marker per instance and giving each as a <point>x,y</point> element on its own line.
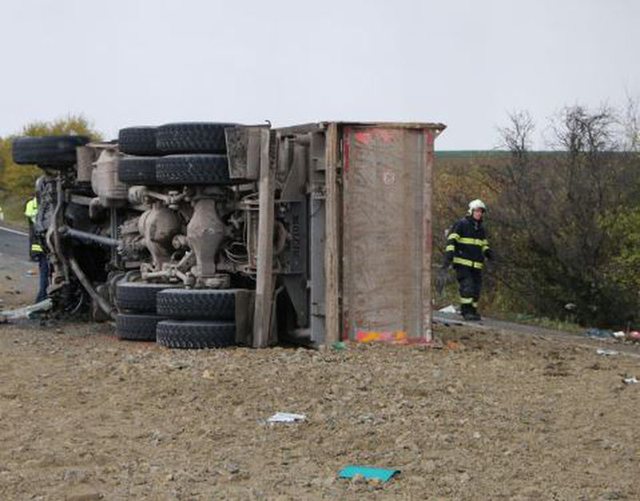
<point>203,235</point>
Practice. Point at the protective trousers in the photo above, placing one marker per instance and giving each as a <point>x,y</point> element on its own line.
<point>43,265</point>
<point>470,282</point>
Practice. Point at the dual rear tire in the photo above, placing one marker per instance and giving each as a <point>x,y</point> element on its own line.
<point>136,302</point>
<point>174,317</point>
<point>198,318</point>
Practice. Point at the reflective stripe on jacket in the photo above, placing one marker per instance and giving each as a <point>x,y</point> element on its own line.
<point>467,244</point>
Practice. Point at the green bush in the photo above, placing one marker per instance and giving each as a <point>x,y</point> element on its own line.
<point>17,181</point>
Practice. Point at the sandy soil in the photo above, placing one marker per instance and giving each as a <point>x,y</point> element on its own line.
<point>493,416</point>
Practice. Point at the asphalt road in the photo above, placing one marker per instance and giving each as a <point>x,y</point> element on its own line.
<point>14,243</point>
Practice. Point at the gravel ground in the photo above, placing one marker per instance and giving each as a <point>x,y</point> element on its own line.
<point>84,416</point>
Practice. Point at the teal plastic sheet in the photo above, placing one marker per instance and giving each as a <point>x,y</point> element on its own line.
<point>367,472</point>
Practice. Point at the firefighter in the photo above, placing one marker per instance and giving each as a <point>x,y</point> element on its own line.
<point>36,248</point>
<point>467,248</point>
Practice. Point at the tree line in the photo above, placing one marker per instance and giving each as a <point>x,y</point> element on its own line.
<point>565,223</point>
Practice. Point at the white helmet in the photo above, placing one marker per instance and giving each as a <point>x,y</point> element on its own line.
<point>477,204</point>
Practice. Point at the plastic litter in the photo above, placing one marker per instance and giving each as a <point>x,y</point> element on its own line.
<point>599,333</point>
<point>448,309</point>
<point>630,380</point>
<point>369,473</point>
<point>619,334</point>
<point>286,417</point>
<point>339,346</point>
<point>606,353</point>
<point>634,335</point>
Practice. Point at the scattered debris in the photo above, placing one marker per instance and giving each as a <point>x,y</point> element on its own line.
<point>286,417</point>
<point>630,380</point>
<point>339,346</point>
<point>619,334</point>
<point>606,353</point>
<point>448,309</point>
<point>599,333</point>
<point>634,336</point>
<point>368,473</point>
<point>26,311</point>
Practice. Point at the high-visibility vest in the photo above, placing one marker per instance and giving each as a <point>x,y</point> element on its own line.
<point>31,209</point>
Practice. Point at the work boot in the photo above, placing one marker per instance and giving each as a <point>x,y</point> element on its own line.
<point>474,316</point>
<point>467,312</point>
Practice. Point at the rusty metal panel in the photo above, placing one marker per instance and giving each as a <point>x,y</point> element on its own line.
<point>243,151</point>
<point>386,245</point>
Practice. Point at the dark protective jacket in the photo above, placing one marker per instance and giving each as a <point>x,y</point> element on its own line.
<point>467,244</point>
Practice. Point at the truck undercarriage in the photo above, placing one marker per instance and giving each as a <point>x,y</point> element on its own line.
<point>194,234</point>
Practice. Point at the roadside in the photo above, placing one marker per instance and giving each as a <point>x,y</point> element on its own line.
<point>18,275</point>
<point>574,338</point>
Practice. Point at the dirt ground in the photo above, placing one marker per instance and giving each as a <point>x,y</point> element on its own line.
<point>84,416</point>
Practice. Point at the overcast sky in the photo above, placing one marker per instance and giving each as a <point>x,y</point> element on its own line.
<point>465,63</point>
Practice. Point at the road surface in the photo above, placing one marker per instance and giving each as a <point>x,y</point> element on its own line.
<point>14,243</point>
<point>18,275</point>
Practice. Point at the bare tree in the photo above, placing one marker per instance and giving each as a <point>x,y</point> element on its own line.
<point>631,125</point>
<point>551,209</point>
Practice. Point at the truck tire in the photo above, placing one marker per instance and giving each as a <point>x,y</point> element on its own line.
<point>192,137</point>
<point>54,152</point>
<point>137,170</point>
<point>193,169</point>
<point>138,297</point>
<point>136,327</point>
<point>138,141</point>
<point>202,304</point>
<point>195,334</point>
